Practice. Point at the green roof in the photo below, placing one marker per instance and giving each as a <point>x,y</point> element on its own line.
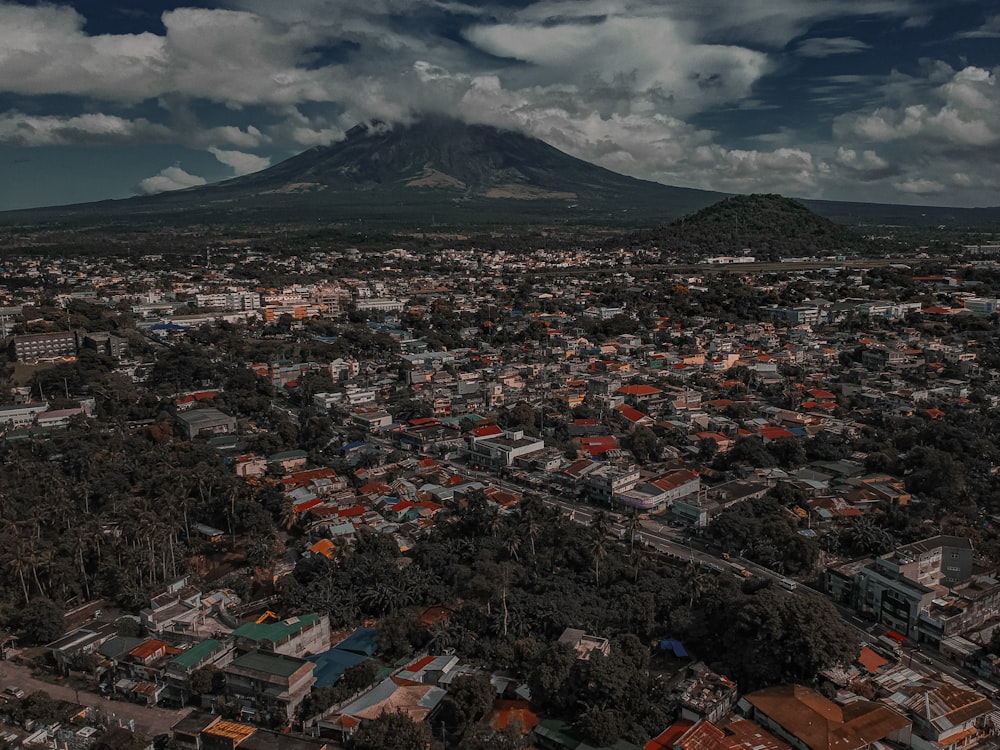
<point>275,664</point>
<point>286,455</point>
<point>196,654</point>
<point>275,632</point>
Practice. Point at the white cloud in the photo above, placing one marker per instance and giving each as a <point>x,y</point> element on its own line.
<point>19,129</point>
<point>44,50</point>
<point>240,162</point>
<point>861,161</point>
<point>989,30</point>
<point>963,111</point>
<point>648,56</point>
<point>920,187</point>
<point>827,46</point>
<point>171,178</point>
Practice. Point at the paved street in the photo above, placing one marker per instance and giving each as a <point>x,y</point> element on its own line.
<point>151,721</point>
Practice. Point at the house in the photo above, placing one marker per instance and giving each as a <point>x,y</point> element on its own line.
<point>204,731</point>
<point>809,721</point>
<point>706,695</point>
<point>585,644</point>
<point>945,716</point>
<point>205,421</point>
<point>83,640</point>
<point>419,702</point>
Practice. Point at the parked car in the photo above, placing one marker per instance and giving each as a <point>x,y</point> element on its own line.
<point>14,691</point>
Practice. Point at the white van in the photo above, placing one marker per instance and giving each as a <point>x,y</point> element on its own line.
<point>787,584</point>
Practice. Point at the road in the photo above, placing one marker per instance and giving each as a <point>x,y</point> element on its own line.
<point>148,720</point>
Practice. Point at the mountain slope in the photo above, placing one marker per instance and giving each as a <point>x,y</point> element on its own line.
<point>442,173</point>
<point>436,171</point>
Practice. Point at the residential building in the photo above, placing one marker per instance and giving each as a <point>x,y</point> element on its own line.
<point>268,686</point>
<point>296,636</point>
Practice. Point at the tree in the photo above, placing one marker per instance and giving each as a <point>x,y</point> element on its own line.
<point>470,697</point>
<point>644,444</point>
<point>41,621</point>
<point>392,731</point>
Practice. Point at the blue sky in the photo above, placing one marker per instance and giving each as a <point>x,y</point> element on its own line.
<point>894,101</point>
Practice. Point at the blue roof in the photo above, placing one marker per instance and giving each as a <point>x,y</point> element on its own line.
<point>798,431</point>
<point>168,327</point>
<point>353,446</point>
<point>361,641</point>
<point>331,665</point>
<point>670,644</point>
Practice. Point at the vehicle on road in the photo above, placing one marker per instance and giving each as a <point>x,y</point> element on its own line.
<point>14,691</point>
<point>787,585</point>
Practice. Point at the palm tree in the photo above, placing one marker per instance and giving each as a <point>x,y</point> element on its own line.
<point>532,528</point>
<point>599,551</point>
<point>16,564</point>
<point>513,544</point>
<point>633,526</point>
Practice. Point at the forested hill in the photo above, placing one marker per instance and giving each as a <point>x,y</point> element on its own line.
<point>768,226</point>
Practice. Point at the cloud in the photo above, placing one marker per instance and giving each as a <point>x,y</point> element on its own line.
<point>963,112</point>
<point>827,46</point>
<point>616,58</point>
<point>989,30</point>
<point>97,129</point>
<point>44,50</point>
<point>19,129</point>
<point>171,178</point>
<point>240,162</point>
<point>865,162</point>
<point>920,187</point>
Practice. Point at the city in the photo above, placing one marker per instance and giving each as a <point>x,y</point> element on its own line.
<point>455,494</point>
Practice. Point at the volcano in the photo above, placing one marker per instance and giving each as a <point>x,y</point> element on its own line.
<point>439,172</point>
<point>435,171</point>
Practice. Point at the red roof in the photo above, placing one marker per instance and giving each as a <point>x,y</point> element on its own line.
<point>420,664</point>
<point>820,395</point>
<point>774,433</point>
<point>668,738</point>
<point>639,390</point>
<point>353,512</point>
<point>595,446</point>
<point>632,415</point>
<point>149,648</point>
<point>516,712</point>
<point>305,476</point>
<point>489,430</point>
<point>675,480</point>
<point>870,660</point>
<point>307,504</point>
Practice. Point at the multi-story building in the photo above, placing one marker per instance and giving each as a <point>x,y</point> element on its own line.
<point>228,301</point>
<point>914,589</point>
<point>178,671</point>
<point>271,685</point>
<point>296,636</point>
<point>32,347</point>
<point>106,343</point>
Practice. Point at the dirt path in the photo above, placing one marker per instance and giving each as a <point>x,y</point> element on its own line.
<point>149,720</point>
